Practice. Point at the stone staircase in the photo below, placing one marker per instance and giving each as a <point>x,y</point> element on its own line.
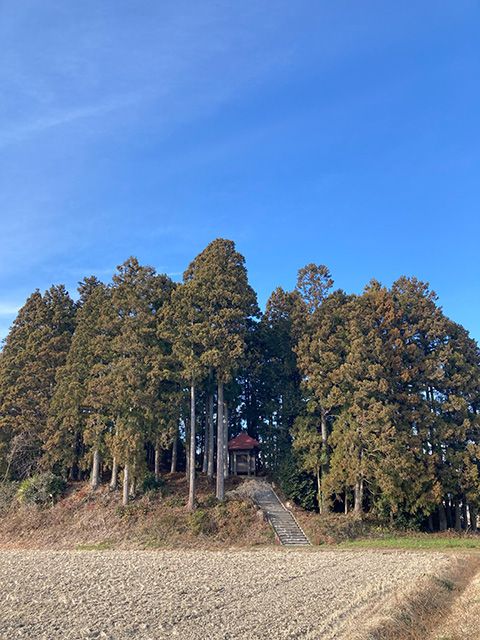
<point>281,519</point>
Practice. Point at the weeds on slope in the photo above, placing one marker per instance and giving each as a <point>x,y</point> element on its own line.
<point>86,519</point>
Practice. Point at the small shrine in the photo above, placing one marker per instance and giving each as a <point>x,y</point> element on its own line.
<point>243,455</point>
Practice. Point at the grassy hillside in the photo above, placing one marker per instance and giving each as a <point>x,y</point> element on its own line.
<point>83,519</point>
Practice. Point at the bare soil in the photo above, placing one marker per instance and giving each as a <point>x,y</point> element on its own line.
<point>200,594</point>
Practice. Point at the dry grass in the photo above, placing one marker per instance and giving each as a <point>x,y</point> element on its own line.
<point>334,528</point>
<point>95,520</point>
<point>463,621</point>
<point>416,614</point>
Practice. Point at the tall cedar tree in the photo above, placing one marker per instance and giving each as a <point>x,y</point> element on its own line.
<point>69,414</point>
<point>218,285</point>
<point>438,385</point>
<point>131,379</point>
<point>278,395</point>
<point>363,429</point>
<point>186,321</point>
<point>319,352</point>
<point>34,350</point>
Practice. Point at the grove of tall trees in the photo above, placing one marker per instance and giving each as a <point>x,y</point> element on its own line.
<point>363,403</point>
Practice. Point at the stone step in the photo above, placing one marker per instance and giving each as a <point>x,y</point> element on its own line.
<point>281,520</point>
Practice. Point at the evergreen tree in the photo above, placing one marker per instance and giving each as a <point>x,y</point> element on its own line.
<point>34,350</point>
<point>321,351</point>
<point>279,394</point>
<point>130,381</point>
<point>217,280</point>
<point>363,429</point>
<point>187,322</point>
<point>438,386</point>
<point>69,413</point>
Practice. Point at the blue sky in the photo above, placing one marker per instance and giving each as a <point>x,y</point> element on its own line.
<point>344,133</point>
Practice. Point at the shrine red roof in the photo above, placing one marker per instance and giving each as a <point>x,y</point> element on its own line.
<point>243,441</point>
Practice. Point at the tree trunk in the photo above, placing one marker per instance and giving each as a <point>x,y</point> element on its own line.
<point>449,512</point>
<point>458,514</point>
<point>126,482</point>
<point>464,513</point>
<point>324,471</point>
<point>358,506</point>
<point>442,517</point>
<point>220,493</point>
<point>173,466</point>
<point>225,441</point>
<point>191,483</point>
<point>345,505</point>
<point>473,518</point>
<point>75,468</point>
<point>430,523</point>
<point>319,491</point>
<point>157,462</point>
<point>133,486</point>
<point>114,478</point>
<point>133,481</point>
<point>95,479</point>
<point>211,437</point>
<point>324,427</point>
<point>187,450</point>
<point>205,445</point>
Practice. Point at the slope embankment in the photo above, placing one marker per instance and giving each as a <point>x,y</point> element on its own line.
<point>420,611</point>
<point>463,619</point>
<point>157,519</point>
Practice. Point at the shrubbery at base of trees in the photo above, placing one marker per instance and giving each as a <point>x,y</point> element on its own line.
<point>41,489</point>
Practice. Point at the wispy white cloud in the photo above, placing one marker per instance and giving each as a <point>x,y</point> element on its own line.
<point>23,130</point>
<point>186,62</point>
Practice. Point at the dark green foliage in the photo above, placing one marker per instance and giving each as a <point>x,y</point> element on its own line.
<point>77,405</point>
<point>150,483</point>
<point>209,319</point>
<point>296,484</point>
<point>134,378</point>
<point>41,489</point>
